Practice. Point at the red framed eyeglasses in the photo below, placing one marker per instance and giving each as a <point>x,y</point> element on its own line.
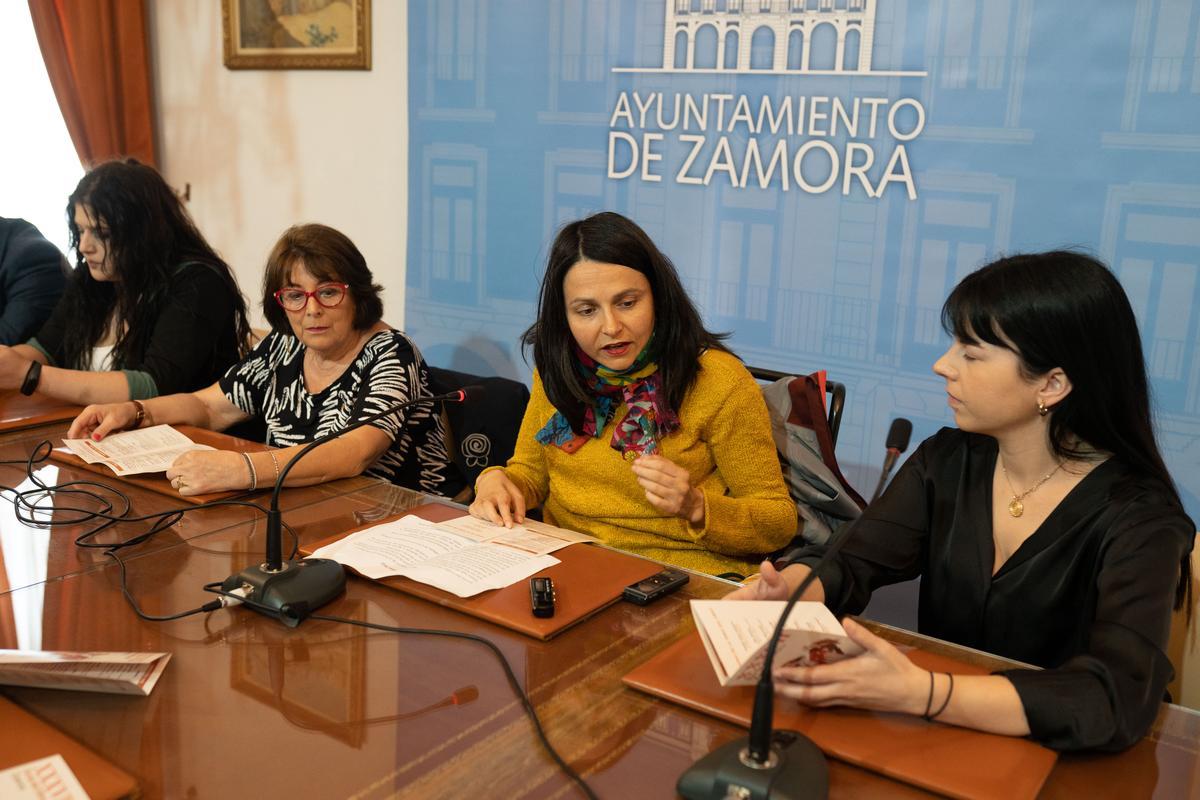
<point>293,298</point>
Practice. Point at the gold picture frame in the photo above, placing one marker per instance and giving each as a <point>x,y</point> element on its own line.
<point>297,34</point>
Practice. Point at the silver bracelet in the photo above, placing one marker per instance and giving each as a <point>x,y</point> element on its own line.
<point>253,474</point>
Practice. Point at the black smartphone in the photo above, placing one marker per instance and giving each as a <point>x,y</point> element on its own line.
<point>541,597</point>
<point>662,583</point>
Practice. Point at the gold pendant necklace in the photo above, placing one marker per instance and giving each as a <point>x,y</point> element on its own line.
<point>1015,507</point>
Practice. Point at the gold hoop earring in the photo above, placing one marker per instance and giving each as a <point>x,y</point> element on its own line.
<point>1042,409</point>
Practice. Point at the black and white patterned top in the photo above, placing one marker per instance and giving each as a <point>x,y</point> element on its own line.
<point>269,384</point>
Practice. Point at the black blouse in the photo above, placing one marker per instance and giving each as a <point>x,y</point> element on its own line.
<point>1088,595</point>
<point>269,384</point>
<point>194,339</point>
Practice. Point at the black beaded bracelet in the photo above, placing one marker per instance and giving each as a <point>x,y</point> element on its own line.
<point>32,377</point>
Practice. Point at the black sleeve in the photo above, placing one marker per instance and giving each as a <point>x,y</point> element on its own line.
<point>193,333</point>
<point>1106,698</point>
<point>194,336</point>
<point>885,545</point>
<point>49,337</point>
<point>33,275</point>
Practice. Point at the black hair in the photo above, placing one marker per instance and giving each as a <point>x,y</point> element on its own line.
<point>328,255</point>
<point>679,334</point>
<point>147,234</point>
<point>1067,310</point>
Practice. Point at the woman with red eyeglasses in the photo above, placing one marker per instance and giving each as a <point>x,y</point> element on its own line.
<point>328,362</point>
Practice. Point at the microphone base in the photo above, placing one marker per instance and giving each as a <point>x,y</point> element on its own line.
<point>797,770</point>
<point>293,592</point>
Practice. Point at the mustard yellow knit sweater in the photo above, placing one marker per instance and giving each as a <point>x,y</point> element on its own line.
<point>724,442</point>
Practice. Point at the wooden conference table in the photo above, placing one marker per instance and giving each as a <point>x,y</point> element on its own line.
<point>249,707</point>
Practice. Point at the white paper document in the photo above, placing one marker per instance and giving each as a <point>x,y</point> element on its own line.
<point>427,552</point>
<point>152,449</point>
<point>735,635</point>
<point>531,535</point>
<point>114,673</point>
<point>45,779</point>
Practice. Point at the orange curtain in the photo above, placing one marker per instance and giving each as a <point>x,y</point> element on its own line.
<point>98,59</point>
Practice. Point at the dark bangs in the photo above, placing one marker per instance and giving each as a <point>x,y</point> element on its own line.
<point>1021,303</point>
<point>964,318</point>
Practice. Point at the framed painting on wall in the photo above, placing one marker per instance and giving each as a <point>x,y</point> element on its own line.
<point>297,34</point>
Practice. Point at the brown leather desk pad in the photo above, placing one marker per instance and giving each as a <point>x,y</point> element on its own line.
<point>157,481</point>
<point>18,411</point>
<point>942,758</point>
<point>587,579</point>
<point>25,737</point>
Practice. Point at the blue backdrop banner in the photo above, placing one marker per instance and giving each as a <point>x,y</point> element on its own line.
<point>822,172</point>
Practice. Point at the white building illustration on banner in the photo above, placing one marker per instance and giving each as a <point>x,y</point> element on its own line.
<point>773,37</point>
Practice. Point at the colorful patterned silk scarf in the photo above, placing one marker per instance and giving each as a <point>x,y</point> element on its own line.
<point>639,387</point>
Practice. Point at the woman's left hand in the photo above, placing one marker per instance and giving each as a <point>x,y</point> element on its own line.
<point>12,368</point>
<point>880,679</point>
<point>204,471</point>
<point>669,488</point>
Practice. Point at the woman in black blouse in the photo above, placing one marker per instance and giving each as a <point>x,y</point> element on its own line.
<point>328,362</point>
<point>1045,528</point>
<point>150,308</point>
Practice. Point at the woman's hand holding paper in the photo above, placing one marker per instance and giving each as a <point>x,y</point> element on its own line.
<point>881,679</point>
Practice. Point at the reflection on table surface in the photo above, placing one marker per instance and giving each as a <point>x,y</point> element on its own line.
<point>47,549</point>
<point>328,710</point>
<point>20,412</point>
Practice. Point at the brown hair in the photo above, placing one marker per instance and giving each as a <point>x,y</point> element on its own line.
<point>328,255</point>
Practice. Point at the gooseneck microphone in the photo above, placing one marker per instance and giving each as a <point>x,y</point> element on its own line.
<point>782,764</point>
<point>897,442</point>
<point>291,590</point>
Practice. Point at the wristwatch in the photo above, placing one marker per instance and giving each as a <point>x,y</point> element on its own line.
<point>30,384</point>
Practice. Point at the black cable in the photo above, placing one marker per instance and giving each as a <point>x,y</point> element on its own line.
<point>26,508</point>
<point>526,704</point>
<point>508,672</point>
<point>34,455</point>
<point>212,605</point>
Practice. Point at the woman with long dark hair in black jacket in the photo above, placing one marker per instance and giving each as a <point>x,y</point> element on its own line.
<point>150,308</point>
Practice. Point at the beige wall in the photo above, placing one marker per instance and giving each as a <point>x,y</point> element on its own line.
<point>263,149</point>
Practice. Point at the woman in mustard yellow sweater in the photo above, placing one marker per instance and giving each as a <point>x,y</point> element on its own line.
<point>643,429</point>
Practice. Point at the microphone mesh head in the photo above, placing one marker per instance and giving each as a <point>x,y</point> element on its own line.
<point>899,434</point>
